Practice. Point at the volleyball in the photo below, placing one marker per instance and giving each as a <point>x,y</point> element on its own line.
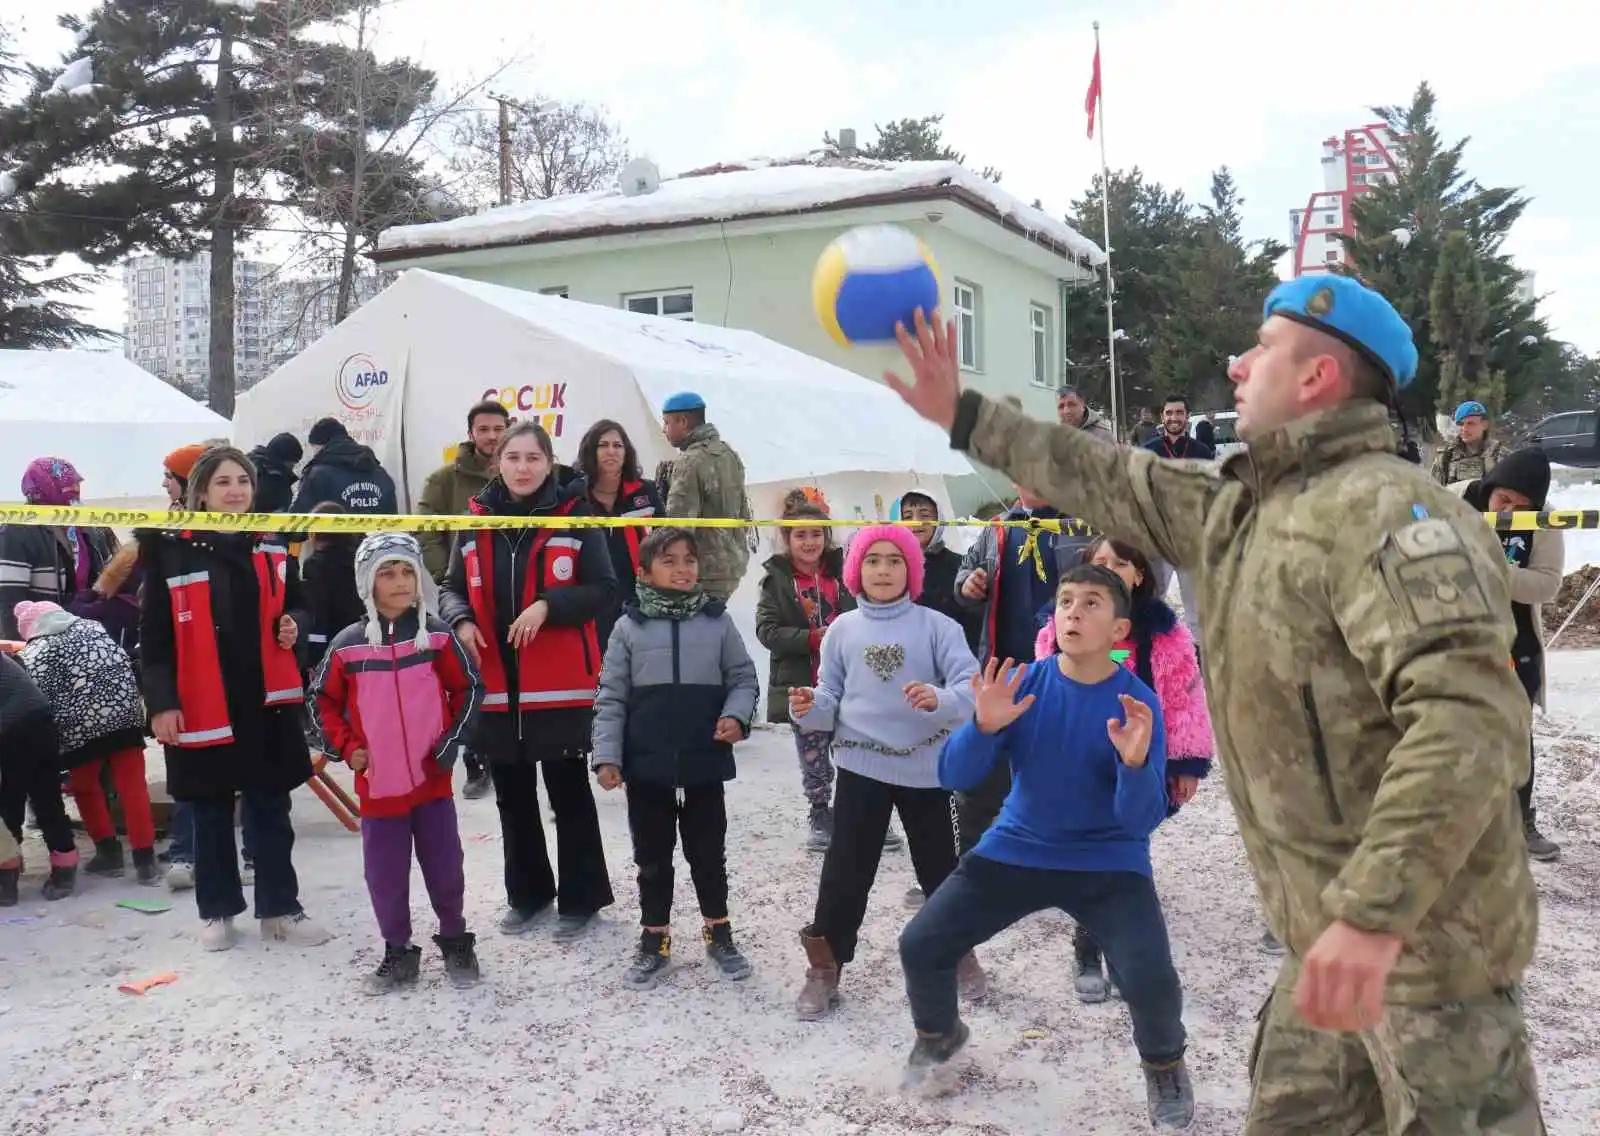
<point>871,278</point>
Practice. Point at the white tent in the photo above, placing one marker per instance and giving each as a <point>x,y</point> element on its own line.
<point>113,420</point>
<point>402,371</point>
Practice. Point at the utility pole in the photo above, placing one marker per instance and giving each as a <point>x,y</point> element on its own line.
<point>505,148</point>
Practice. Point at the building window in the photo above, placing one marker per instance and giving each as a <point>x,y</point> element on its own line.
<point>678,303</point>
<point>967,325</point>
<point>1330,219</point>
<point>1333,256</point>
<point>1039,326</point>
<point>561,290</point>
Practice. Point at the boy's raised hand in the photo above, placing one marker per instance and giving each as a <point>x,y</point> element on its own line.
<point>609,777</point>
<point>1132,736</point>
<point>801,700</point>
<point>995,690</point>
<point>728,730</point>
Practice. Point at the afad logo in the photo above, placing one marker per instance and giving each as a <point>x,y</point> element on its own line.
<point>543,403</point>
<point>358,381</point>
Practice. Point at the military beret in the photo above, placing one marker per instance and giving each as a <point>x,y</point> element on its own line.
<point>681,402</point>
<point>1349,311</point>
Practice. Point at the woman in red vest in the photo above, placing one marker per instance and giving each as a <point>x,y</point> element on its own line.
<point>218,625</point>
<point>523,602</point>
<point>610,468</point>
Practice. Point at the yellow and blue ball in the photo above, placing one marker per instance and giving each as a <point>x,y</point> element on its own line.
<point>871,278</point>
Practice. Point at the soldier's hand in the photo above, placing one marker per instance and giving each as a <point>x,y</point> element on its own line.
<point>930,349</point>
<point>1132,735</point>
<point>976,585</point>
<point>1343,978</point>
<point>995,696</point>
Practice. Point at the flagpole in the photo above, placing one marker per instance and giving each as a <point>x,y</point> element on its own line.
<point>1105,207</point>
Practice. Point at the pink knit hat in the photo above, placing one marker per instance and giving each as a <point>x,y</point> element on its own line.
<point>898,535</point>
<point>28,613</point>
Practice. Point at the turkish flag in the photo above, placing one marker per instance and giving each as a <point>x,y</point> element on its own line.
<point>1092,99</point>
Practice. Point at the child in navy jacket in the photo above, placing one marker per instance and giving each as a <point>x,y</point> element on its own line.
<point>1089,768</point>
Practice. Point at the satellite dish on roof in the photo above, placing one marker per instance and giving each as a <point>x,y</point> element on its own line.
<point>639,177</point>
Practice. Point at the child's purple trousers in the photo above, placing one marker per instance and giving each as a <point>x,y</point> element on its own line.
<point>386,844</point>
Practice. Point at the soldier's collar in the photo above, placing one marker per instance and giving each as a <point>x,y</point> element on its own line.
<point>1322,440</point>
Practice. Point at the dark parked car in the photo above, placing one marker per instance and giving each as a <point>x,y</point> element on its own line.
<point>1572,438</point>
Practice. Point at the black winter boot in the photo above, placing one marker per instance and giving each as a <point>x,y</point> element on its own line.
<point>401,966</point>
<point>460,958</point>
<point>107,859</point>
<point>10,878</point>
<point>62,882</point>
<point>145,868</point>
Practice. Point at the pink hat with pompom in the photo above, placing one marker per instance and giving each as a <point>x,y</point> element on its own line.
<point>28,613</point>
<point>899,536</point>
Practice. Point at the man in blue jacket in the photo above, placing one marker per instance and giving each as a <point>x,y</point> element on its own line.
<point>1173,440</point>
<point>345,472</point>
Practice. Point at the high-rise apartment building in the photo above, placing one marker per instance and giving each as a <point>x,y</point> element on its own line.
<point>300,312</point>
<point>167,326</point>
<point>1356,162</point>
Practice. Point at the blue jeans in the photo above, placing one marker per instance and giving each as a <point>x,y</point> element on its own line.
<point>180,846</point>
<point>983,897</point>
<point>218,891</point>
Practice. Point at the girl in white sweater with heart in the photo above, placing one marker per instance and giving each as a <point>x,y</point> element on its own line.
<point>893,684</point>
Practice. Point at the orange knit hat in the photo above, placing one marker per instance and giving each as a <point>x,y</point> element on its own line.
<point>181,461</point>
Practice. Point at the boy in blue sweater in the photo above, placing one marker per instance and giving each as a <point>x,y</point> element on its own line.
<point>1087,749</point>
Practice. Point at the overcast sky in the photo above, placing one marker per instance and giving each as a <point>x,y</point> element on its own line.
<point>1187,88</point>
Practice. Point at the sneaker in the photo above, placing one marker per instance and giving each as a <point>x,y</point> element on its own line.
<point>460,959</point>
<point>932,1050</point>
<point>571,928</point>
<point>1540,847</point>
<point>1169,1095</point>
<point>144,867</point>
<point>892,840</point>
<point>180,876</point>
<point>821,834</point>
<point>720,949</point>
<point>296,930</point>
<point>1088,973</point>
<point>107,860</point>
<point>1270,946</point>
<point>914,897</point>
<point>478,785</point>
<point>518,922</point>
<point>401,966</point>
<point>651,960</point>
<point>217,934</point>
<point>247,872</point>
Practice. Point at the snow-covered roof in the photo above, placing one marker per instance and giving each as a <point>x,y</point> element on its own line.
<point>113,420</point>
<point>758,188</point>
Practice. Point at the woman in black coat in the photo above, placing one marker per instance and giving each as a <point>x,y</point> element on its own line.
<point>615,487</point>
<point>220,617</point>
<point>524,602</point>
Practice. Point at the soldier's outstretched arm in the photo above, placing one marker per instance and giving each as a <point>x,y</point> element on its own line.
<point>1126,492</point>
<point>1425,607</point>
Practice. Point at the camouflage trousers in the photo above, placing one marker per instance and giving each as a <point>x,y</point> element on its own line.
<point>1460,1069</point>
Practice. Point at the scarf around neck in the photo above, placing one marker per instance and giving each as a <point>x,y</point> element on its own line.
<point>658,603</point>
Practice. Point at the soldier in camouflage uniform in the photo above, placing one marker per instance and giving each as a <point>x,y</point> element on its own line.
<point>1372,729</point>
<point>1472,452</point>
<point>707,480</point>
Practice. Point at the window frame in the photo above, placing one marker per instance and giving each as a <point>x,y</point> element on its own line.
<point>964,315</point>
<point>660,296</point>
<point>1041,322</point>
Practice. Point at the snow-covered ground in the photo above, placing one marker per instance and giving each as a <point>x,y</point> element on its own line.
<point>1583,546</point>
<point>273,1040</point>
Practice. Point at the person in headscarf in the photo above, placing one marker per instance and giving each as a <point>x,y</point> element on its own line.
<point>49,563</point>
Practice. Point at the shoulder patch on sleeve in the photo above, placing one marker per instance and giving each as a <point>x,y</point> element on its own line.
<point>1431,576</point>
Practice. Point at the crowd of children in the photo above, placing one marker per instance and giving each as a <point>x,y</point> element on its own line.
<point>891,662</point>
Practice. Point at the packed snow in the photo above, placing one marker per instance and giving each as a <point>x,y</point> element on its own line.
<point>1582,545</point>
<point>755,188</point>
<point>8,185</point>
<point>78,73</point>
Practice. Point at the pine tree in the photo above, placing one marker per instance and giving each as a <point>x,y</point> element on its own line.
<point>1401,234</point>
<point>1149,224</point>
<point>1219,282</point>
<point>1457,313</point>
<point>157,138</point>
<point>914,140</point>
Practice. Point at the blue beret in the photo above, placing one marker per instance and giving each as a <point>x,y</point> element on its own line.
<point>682,401</point>
<point>1348,310</point>
<point>1468,409</point>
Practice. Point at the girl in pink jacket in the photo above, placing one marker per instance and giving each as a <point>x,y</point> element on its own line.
<point>1161,652</point>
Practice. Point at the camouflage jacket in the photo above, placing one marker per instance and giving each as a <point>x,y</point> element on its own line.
<point>708,481</point>
<point>1453,462</point>
<point>1357,624</point>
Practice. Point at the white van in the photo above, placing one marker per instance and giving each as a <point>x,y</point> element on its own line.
<point>1224,425</point>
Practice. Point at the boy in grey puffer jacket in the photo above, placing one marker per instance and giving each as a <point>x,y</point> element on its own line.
<point>678,688</point>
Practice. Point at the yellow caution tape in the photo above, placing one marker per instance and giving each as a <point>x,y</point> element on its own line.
<point>366,522</point>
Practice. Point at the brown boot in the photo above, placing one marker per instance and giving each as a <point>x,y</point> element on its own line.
<point>821,991</point>
<point>970,979</point>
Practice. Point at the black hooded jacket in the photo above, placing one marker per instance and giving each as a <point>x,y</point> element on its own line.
<point>349,474</point>
<point>1528,473</point>
<point>274,482</point>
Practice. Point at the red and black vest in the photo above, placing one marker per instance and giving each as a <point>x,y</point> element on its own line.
<point>561,667</point>
<point>201,695</point>
<point>635,502</point>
